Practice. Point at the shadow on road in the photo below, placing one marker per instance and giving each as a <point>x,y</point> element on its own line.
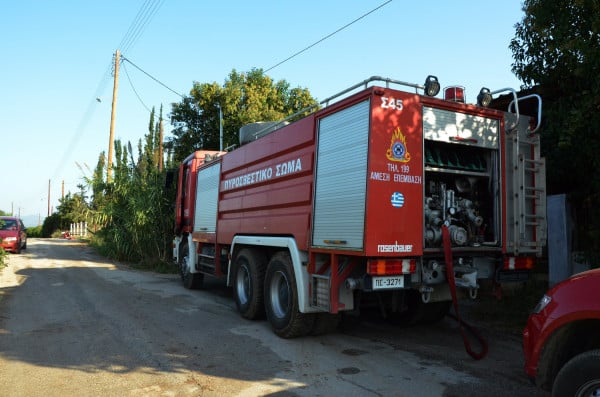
<point>73,310</point>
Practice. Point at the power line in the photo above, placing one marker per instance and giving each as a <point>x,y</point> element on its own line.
<point>272,67</point>
<point>134,90</point>
<point>328,36</point>
<point>152,77</point>
<point>137,27</point>
<point>139,24</point>
<point>92,105</point>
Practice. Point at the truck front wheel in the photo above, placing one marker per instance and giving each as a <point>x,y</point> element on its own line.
<point>281,299</point>
<point>249,275</point>
<point>190,280</point>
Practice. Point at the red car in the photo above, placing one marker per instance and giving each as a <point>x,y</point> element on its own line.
<point>13,234</point>
<point>561,341</point>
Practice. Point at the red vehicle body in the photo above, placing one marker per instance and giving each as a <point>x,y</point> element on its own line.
<point>562,338</point>
<point>13,234</point>
<point>349,203</point>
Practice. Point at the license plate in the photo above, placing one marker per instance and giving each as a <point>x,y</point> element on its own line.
<point>388,282</point>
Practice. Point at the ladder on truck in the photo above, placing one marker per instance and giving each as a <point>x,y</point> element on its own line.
<point>529,188</point>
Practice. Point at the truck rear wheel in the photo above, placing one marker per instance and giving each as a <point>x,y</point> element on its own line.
<point>190,280</point>
<point>417,312</point>
<point>248,279</point>
<point>434,312</point>
<point>281,299</point>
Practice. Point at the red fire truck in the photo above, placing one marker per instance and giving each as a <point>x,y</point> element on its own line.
<point>384,194</point>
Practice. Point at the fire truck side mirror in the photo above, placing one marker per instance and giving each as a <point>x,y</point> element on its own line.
<point>432,86</point>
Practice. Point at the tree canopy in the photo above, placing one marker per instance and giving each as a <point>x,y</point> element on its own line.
<point>557,43</point>
<point>556,49</point>
<point>244,98</point>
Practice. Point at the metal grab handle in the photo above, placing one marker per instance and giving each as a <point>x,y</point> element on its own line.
<point>539,115</point>
<point>515,101</point>
<point>364,84</point>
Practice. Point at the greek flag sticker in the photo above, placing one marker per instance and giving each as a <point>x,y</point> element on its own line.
<point>397,199</point>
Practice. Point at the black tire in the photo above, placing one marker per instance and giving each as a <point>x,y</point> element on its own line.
<point>418,312</point>
<point>25,245</point>
<point>579,377</point>
<point>18,249</point>
<point>281,299</point>
<point>412,314</point>
<point>325,323</point>
<point>248,283</point>
<point>434,312</point>
<point>190,280</point>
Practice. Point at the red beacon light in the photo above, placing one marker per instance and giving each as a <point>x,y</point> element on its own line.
<point>455,94</point>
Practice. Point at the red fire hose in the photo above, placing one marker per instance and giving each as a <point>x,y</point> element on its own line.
<point>464,327</point>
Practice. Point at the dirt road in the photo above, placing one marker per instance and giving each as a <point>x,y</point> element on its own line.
<point>74,324</point>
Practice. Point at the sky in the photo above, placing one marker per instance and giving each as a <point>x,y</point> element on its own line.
<point>56,83</point>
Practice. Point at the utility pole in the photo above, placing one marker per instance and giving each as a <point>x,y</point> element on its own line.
<point>62,190</point>
<point>112,117</point>
<point>220,128</point>
<point>160,143</point>
<point>49,197</point>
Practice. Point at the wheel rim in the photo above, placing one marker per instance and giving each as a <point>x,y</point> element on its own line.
<point>243,284</point>
<point>280,294</point>
<point>185,266</point>
<point>590,389</point>
<point>183,260</point>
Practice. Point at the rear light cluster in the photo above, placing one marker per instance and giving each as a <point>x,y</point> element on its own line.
<point>518,263</point>
<point>381,267</point>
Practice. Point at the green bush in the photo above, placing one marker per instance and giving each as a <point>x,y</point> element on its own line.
<point>53,223</point>
<point>2,258</point>
<point>34,231</point>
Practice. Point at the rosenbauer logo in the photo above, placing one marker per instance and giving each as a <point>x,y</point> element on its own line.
<point>394,247</point>
<point>262,175</point>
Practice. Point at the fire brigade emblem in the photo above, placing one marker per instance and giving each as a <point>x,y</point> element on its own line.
<point>398,150</point>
